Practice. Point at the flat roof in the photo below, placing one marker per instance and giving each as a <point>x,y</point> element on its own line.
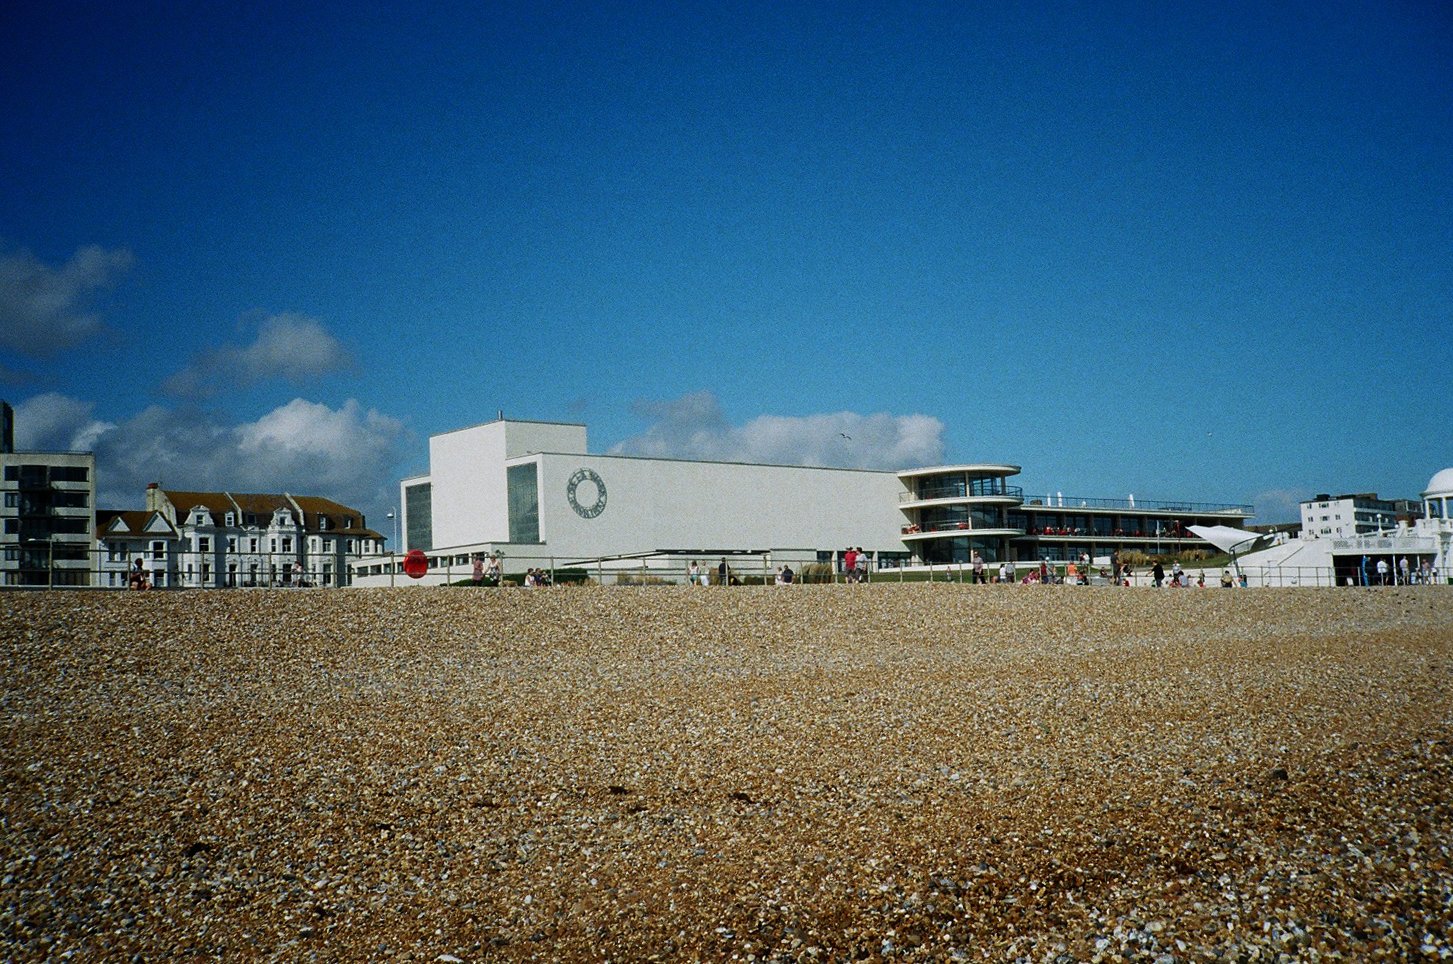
<point>504,421</point>
<point>660,458</point>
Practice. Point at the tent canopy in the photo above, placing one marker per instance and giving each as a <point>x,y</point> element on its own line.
<point>1232,540</point>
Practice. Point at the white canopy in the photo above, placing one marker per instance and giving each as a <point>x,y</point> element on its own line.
<point>1232,540</point>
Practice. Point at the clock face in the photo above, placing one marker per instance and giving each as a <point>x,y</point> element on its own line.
<point>586,493</point>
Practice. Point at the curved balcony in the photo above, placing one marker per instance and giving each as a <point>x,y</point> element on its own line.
<point>1003,495</point>
<point>915,533</point>
<point>975,469</point>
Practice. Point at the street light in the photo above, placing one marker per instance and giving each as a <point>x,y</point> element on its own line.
<point>393,549</point>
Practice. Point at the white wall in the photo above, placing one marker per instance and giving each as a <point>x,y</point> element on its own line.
<point>467,468</point>
<point>667,504</point>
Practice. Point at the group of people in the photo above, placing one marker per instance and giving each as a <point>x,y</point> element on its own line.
<point>1406,574</point>
<point>855,564</point>
<point>488,569</point>
<point>700,574</point>
<point>1180,579</point>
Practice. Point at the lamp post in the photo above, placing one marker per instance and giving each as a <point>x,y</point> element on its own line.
<point>393,547</point>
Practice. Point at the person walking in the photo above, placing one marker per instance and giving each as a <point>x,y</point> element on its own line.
<point>1157,574</point>
<point>978,561</point>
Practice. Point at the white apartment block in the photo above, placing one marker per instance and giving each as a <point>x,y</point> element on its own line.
<point>1345,516</point>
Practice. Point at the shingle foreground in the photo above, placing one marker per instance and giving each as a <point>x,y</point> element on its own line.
<point>829,773</point>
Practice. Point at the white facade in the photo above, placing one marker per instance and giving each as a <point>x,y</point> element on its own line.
<point>224,539</point>
<point>1345,516</point>
<point>638,505</point>
<point>468,480</point>
<point>1437,521</point>
<point>533,489</point>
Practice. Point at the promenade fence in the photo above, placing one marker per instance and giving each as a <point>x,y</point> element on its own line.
<point>100,569</point>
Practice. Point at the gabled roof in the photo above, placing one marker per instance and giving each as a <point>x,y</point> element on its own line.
<point>262,505</point>
<point>116,523</point>
<point>217,503</point>
<point>315,509</point>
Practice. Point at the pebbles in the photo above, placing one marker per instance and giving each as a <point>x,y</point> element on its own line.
<point>822,772</point>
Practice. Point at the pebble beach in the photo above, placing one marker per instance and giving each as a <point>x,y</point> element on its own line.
<point>883,772</point>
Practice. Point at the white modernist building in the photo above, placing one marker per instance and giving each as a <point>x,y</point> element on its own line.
<point>532,493</point>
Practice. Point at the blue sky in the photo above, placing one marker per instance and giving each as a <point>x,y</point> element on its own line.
<point>1186,251</point>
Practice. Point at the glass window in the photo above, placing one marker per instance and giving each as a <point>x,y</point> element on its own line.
<point>523,482</point>
<point>419,513</point>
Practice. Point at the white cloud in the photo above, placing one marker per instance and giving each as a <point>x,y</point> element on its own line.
<point>693,426</point>
<point>289,346</point>
<point>349,454</point>
<point>1278,505</point>
<point>44,309</point>
<point>54,423</point>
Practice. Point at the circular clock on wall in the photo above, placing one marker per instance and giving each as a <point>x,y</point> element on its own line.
<point>586,493</point>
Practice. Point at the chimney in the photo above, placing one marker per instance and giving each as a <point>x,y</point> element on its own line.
<point>152,490</point>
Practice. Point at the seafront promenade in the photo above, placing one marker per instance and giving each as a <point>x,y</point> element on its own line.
<point>924,772</point>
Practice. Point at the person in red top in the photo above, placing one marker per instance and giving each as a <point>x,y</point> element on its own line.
<point>850,564</point>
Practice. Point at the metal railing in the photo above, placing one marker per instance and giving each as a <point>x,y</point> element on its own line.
<point>58,564</point>
<point>961,492</point>
<point>32,568</point>
<point>1068,502</point>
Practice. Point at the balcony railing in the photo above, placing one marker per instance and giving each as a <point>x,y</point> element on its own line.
<point>959,492</point>
<point>1066,503</point>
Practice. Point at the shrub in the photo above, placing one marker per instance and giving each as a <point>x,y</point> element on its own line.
<point>815,572</point>
<point>641,579</point>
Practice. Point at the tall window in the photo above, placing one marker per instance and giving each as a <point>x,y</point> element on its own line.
<point>523,482</point>
<point>419,511</point>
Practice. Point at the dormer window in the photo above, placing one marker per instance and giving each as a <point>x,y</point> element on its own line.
<point>231,519</point>
<point>348,522</point>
